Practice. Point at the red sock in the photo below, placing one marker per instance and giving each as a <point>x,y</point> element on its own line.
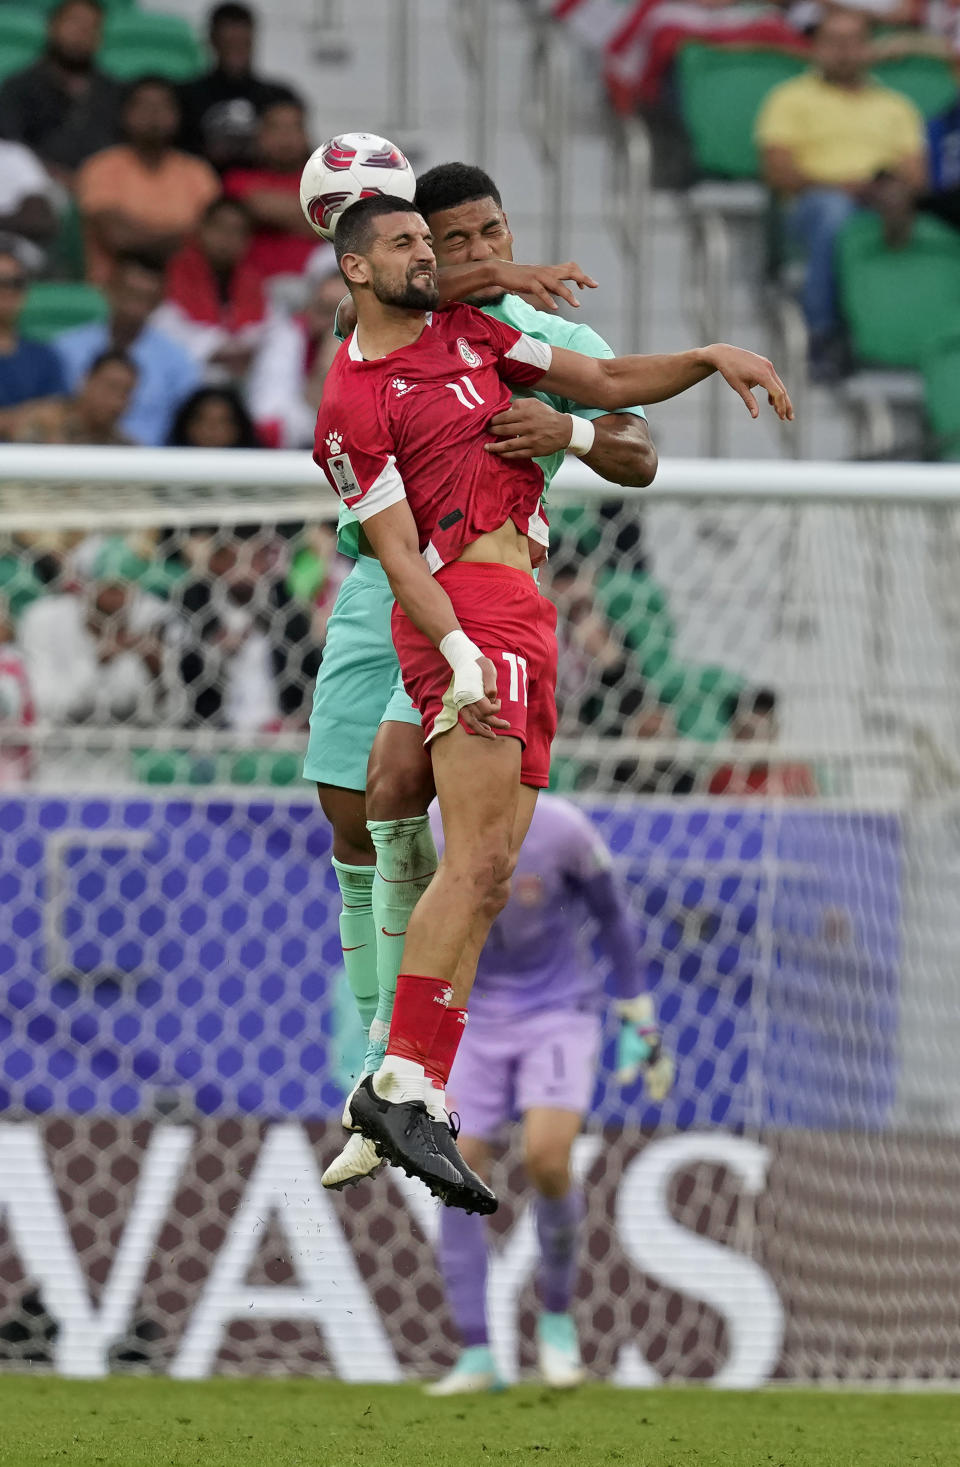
<point>418,1010</point>
<point>439,1062</point>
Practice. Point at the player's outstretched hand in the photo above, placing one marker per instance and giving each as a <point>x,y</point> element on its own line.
<point>640,1048</point>
<point>528,429</point>
<point>540,283</point>
<point>481,715</point>
<point>745,370</point>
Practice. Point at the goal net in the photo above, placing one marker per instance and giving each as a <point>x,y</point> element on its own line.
<point>759,708</point>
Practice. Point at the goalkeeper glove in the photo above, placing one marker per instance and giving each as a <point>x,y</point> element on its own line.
<point>640,1048</point>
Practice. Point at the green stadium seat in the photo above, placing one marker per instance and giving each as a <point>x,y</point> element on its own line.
<point>721,92</point>
<point>698,697</point>
<point>16,56</point>
<point>941,375</point>
<point>54,306</point>
<point>68,249</point>
<point>21,27</point>
<point>637,605</point>
<point>19,585</point>
<point>928,81</point>
<point>138,42</point>
<point>898,303</point>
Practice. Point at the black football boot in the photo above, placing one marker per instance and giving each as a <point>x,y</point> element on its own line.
<point>474,1194</point>
<point>403,1132</point>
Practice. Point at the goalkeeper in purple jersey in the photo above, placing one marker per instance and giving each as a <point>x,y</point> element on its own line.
<point>530,1049</point>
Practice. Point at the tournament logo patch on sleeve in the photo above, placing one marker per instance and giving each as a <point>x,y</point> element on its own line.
<point>341,469</point>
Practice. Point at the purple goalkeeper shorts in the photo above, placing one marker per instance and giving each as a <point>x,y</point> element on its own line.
<point>506,1067</point>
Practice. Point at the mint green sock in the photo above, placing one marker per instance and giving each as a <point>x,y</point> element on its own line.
<point>406,862</point>
<point>358,936</point>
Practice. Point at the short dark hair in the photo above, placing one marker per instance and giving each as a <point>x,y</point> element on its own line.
<point>63,5</point>
<point>449,185</point>
<point>285,98</point>
<point>354,233</point>
<point>760,701</point>
<point>223,201</point>
<point>150,79</point>
<point>110,357</point>
<point>230,13</point>
<point>188,409</point>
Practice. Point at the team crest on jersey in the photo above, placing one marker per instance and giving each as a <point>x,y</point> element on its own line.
<point>400,387</point>
<point>471,357</point>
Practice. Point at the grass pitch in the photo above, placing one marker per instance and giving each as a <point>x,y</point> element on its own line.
<point>262,1423</point>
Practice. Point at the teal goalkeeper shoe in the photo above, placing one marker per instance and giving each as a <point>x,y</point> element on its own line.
<point>473,1374</point>
<point>558,1352</point>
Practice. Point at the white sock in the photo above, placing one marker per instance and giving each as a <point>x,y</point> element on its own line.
<point>399,1080</point>
<point>436,1102</point>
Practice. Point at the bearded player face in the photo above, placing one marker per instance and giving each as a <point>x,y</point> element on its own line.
<point>402,265</point>
<point>470,232</point>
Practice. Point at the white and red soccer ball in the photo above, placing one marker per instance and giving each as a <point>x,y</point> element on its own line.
<point>355,165</point>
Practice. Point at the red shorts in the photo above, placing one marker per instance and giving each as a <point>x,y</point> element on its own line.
<point>501,610</point>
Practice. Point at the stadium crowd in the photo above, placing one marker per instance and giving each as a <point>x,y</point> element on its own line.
<point>850,114</point>
<point>160,286</point>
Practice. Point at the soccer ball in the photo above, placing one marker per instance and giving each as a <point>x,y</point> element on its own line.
<point>355,165</point>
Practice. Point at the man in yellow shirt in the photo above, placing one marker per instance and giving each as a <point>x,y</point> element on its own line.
<point>834,140</point>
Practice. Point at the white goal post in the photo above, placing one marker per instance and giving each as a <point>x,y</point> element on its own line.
<point>759,702</point>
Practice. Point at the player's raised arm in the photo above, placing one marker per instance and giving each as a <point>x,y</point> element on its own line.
<point>539,284</point>
<point>542,285</point>
<point>393,538</point>
<point>618,382</point>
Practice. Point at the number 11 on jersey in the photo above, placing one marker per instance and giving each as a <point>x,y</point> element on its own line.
<point>516,664</point>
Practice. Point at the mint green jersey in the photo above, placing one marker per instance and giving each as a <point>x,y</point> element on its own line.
<point>555,330</point>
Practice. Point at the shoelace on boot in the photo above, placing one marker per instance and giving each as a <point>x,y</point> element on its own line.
<point>419,1125</point>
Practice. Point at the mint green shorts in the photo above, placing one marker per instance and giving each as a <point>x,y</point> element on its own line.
<point>359,684</point>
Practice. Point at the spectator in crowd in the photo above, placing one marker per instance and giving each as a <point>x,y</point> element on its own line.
<point>95,657</point>
<point>215,304</point>
<point>286,380</point>
<point>62,106</point>
<point>92,415</point>
<point>833,141</point>
<point>943,137</point>
<point>283,240</point>
<point>642,716</point>
<point>28,369</point>
<point>213,417</point>
<point>593,668</point>
<point>220,109</point>
<point>753,719</point>
<point>246,658</point>
<point>29,202</point>
<point>16,704</point>
<point>143,194</point>
<point>166,373</point>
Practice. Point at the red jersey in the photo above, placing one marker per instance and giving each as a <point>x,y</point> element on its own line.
<point>272,251</point>
<point>413,425</point>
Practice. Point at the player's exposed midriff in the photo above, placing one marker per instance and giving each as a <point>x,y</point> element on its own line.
<point>506,546</point>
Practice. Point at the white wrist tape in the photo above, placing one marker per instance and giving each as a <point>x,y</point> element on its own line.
<point>582,434</point>
<point>462,655</point>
